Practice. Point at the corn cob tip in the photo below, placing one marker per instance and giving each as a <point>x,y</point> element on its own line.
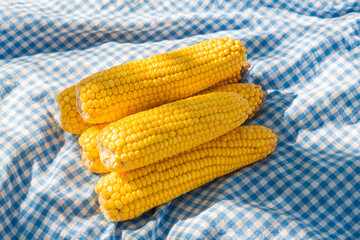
<point>70,119</point>
<point>94,165</point>
<point>254,94</point>
<point>245,70</point>
<point>89,144</point>
<point>263,96</point>
<point>237,77</point>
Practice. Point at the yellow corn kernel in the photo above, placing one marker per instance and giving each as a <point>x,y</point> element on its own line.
<point>160,79</point>
<point>202,118</point>
<point>202,164</point>
<point>90,155</point>
<point>70,118</point>
<point>251,92</point>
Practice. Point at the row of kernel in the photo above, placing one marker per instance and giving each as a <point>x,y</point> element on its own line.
<point>123,85</point>
<point>128,195</point>
<point>111,83</point>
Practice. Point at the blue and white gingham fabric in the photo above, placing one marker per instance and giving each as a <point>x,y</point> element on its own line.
<point>305,54</point>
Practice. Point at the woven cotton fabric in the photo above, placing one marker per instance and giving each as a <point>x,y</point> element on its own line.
<point>305,54</point>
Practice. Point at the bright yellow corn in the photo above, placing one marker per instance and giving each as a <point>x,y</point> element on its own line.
<point>90,155</point>
<point>70,118</point>
<point>135,86</point>
<point>76,125</point>
<point>149,136</point>
<point>251,92</point>
<point>236,78</point>
<point>254,94</point>
<point>126,195</point>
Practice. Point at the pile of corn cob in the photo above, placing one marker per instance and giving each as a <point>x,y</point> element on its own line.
<point>162,126</point>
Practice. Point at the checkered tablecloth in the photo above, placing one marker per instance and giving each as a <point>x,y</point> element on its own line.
<point>305,54</point>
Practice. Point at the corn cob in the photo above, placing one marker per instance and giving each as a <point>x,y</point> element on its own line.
<point>135,86</point>
<point>251,92</point>
<point>90,155</point>
<point>254,94</point>
<point>76,125</point>
<point>149,136</point>
<point>126,195</point>
<point>70,118</point>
